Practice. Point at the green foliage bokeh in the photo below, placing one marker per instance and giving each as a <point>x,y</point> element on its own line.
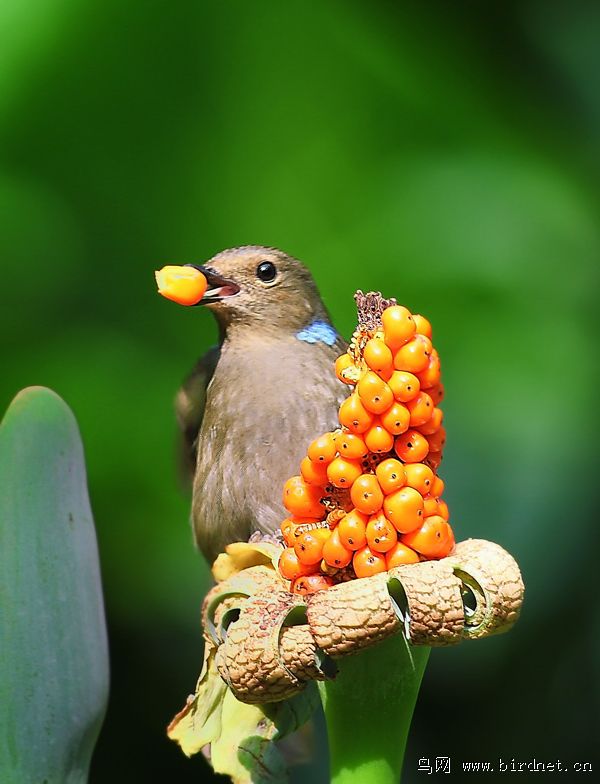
<point>446,154</point>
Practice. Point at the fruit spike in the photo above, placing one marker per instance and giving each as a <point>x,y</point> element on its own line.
<point>368,496</point>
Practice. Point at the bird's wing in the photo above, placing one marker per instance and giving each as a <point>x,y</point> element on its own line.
<point>189,410</point>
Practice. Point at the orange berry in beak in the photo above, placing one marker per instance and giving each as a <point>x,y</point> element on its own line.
<point>184,285</point>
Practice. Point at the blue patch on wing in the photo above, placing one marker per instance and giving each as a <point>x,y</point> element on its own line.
<point>318,332</point>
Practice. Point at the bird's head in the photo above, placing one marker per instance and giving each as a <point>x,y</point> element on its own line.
<point>253,286</point>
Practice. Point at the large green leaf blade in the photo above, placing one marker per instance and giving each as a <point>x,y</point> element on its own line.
<point>53,645</point>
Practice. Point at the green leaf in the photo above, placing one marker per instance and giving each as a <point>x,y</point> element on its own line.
<point>53,645</point>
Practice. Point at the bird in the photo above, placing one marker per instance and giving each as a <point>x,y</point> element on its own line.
<point>252,404</point>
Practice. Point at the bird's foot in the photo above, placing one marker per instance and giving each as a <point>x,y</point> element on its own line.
<point>275,538</point>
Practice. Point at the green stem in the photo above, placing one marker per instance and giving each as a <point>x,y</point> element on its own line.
<point>368,709</point>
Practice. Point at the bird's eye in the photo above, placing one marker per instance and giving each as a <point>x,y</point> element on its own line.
<point>266,271</point>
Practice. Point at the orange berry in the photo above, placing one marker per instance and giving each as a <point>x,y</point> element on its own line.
<point>414,355</point>
<point>437,440</point>
<point>423,326</point>
<point>342,472</point>
<point>434,459</point>
<point>322,449</point>
<point>290,565</point>
<point>421,409</point>
<point>185,285</point>
<point>430,506</point>
<point>396,419</point>
<point>309,545</point>
<point>366,494</point>
<point>366,563</point>
<point>354,415</point>
<point>443,510</point>
<point>411,447</point>
<point>404,509</point>
<point>344,362</point>
<point>437,488</point>
<point>381,534</point>
<point>313,473</point>
<point>302,499</point>
<point>378,439</point>
<point>352,530</point>
<point>378,357</point>
<point>431,374</point>
<point>287,529</point>
<point>436,393</point>
<point>398,326</point>
<point>375,394</point>
<point>390,475</point>
<point>351,446</point>
<point>404,385</point>
<point>433,424</point>
<point>434,539</point>
<point>419,476</point>
<point>334,552</point>
<point>311,584</point>
<point>400,554</point>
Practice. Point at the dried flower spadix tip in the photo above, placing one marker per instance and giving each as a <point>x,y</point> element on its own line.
<point>184,285</point>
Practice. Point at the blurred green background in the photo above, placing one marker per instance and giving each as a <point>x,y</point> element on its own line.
<point>445,153</point>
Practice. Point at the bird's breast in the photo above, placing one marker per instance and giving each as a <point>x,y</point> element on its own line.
<point>264,405</point>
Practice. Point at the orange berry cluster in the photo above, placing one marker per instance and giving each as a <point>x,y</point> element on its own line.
<point>368,497</point>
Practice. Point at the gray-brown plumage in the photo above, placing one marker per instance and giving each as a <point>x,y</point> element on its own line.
<point>252,404</point>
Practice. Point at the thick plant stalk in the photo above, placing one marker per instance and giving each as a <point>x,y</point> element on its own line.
<point>369,708</point>
<point>53,646</point>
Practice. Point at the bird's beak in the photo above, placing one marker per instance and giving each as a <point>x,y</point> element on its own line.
<point>218,287</point>
<point>193,285</point>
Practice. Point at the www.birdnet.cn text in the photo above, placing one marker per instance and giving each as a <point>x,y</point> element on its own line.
<point>440,765</point>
